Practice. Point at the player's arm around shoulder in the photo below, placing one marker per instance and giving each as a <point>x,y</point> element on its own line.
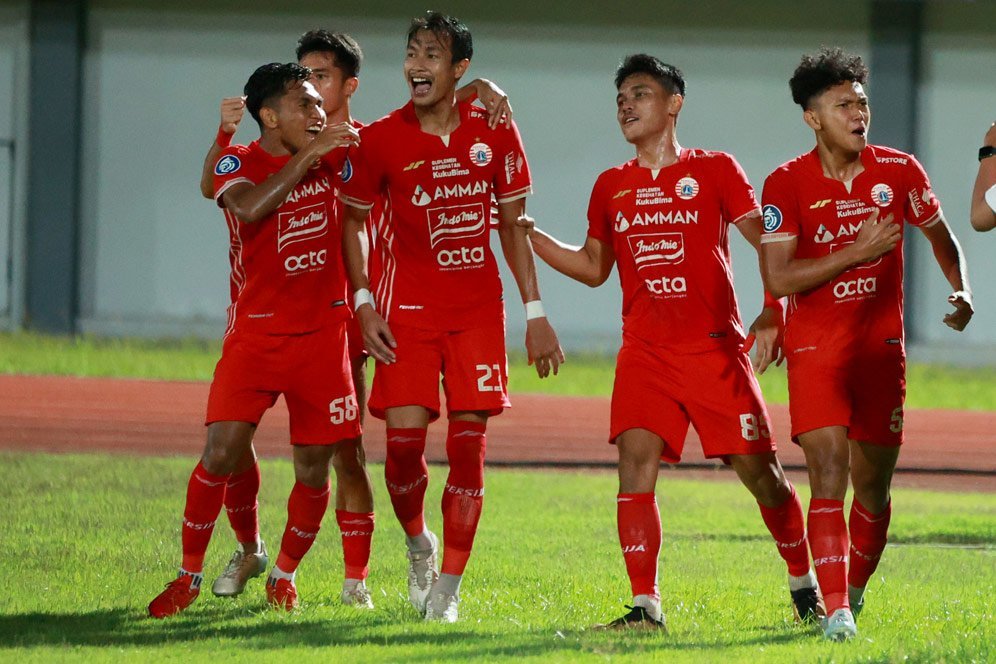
<point>542,345</point>
<point>951,259</point>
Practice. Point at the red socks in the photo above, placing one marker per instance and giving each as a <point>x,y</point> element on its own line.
<point>241,504</point>
<point>868,536</point>
<point>787,525</point>
<point>305,509</point>
<point>828,541</point>
<point>463,497</point>
<point>639,525</point>
<point>357,532</point>
<point>205,495</point>
<point>407,477</point>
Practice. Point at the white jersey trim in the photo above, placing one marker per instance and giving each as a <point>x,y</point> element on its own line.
<point>355,202</point>
<point>745,215</point>
<point>777,237</point>
<point>933,220</point>
<point>228,185</point>
<point>516,195</point>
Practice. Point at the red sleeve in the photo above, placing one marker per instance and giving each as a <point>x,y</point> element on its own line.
<point>921,206</point>
<point>231,168</point>
<point>781,210</point>
<point>738,194</point>
<point>599,223</point>
<point>513,181</point>
<point>361,175</point>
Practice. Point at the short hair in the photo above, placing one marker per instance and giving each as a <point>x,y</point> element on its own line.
<point>461,42</point>
<point>270,82</point>
<point>818,72</point>
<point>344,49</point>
<point>669,76</point>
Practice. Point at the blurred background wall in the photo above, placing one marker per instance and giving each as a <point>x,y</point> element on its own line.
<point>148,256</point>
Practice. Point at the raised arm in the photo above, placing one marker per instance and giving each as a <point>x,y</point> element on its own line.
<point>591,263</point>
<point>983,213</point>
<point>252,203</point>
<point>232,109</point>
<point>949,256</point>
<point>784,274</point>
<point>542,345</point>
<point>493,98</point>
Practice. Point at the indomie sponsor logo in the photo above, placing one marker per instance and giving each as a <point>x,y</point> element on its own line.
<point>855,287</point>
<point>301,224</point>
<point>455,222</point>
<point>657,249</point>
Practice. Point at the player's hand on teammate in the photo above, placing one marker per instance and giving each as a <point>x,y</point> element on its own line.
<point>338,135</point>
<point>960,317</point>
<point>526,223</point>
<point>542,347</point>
<point>876,237</point>
<point>232,109</point>
<point>766,334</point>
<point>377,337</point>
<point>495,101</point>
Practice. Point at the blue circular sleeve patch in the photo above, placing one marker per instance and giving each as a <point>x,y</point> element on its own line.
<point>347,171</point>
<point>227,165</point>
<point>772,218</point>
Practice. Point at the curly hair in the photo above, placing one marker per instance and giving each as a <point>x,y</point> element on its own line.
<point>818,72</point>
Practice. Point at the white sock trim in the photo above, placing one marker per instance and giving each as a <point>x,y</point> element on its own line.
<point>806,581</point>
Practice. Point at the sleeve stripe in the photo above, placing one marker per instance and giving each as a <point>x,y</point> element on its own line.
<point>516,195</point>
<point>933,220</point>
<point>228,185</point>
<point>777,237</point>
<point>749,213</point>
<point>355,202</point>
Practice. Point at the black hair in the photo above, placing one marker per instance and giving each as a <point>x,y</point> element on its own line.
<point>443,26</point>
<point>269,82</point>
<point>669,76</point>
<point>818,72</point>
<point>344,49</point>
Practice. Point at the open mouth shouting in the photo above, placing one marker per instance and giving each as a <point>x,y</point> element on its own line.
<point>421,86</point>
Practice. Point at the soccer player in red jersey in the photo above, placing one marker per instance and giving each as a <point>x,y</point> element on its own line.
<point>334,59</point>
<point>833,221</point>
<point>664,218</point>
<point>286,325</point>
<point>437,305</point>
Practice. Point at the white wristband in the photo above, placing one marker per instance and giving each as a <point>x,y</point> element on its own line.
<point>361,297</point>
<point>534,309</point>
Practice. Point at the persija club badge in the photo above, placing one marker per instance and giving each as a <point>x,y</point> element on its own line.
<point>480,154</point>
<point>687,188</point>
<point>881,194</point>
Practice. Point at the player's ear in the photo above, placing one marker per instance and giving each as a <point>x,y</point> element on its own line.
<point>677,101</point>
<point>460,68</point>
<point>268,117</point>
<point>810,118</point>
<point>350,85</point>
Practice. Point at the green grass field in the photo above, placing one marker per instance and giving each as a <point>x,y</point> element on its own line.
<point>88,540</point>
<point>583,375</point>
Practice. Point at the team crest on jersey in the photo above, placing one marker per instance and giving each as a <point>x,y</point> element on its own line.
<point>772,218</point>
<point>227,165</point>
<point>480,154</point>
<point>420,197</point>
<point>657,249</point>
<point>346,174</point>
<point>687,188</point>
<point>881,194</point>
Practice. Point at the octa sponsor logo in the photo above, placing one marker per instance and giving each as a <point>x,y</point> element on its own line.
<point>666,285</point>
<point>305,261</point>
<point>461,256</point>
<point>860,286</point>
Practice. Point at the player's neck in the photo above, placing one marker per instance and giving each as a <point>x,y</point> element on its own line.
<point>271,144</point>
<point>837,163</point>
<point>441,118</point>
<point>341,115</point>
<point>658,151</point>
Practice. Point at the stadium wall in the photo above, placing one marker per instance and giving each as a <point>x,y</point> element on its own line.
<point>154,254</point>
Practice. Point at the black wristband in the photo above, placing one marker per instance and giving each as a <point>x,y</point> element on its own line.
<point>986,151</point>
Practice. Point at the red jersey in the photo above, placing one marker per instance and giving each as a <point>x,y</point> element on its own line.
<point>669,229</point>
<point>438,270</point>
<point>864,304</point>
<point>287,270</point>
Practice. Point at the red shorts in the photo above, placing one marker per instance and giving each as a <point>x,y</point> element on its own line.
<point>354,340</point>
<point>310,370</point>
<point>716,391</point>
<point>864,394</point>
<point>472,363</point>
